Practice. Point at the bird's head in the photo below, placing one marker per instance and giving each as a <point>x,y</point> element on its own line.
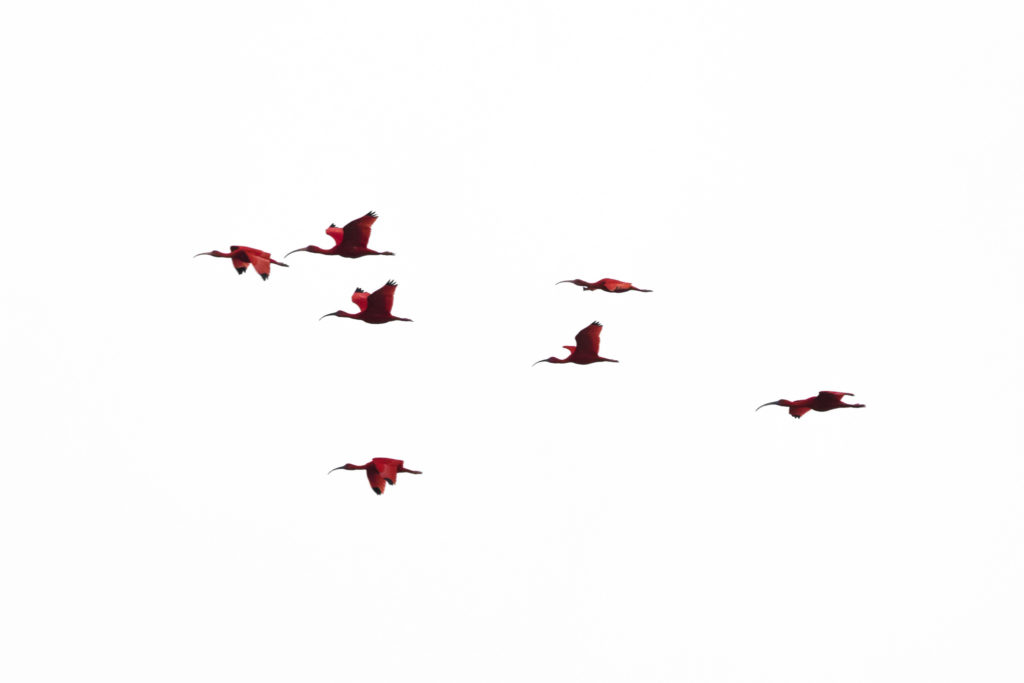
<point>780,402</point>
<point>309,248</point>
<point>349,466</point>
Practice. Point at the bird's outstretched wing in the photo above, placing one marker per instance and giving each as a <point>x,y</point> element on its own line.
<point>377,481</point>
<point>835,394</point>
<point>380,301</point>
<point>357,233</point>
<point>260,262</point>
<point>241,257</point>
<point>388,469</point>
<point>615,285</point>
<point>589,339</point>
<point>359,298</point>
<point>336,233</point>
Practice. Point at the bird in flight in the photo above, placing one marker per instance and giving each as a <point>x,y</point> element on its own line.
<point>380,472</point>
<point>243,257</point>
<point>588,341</point>
<point>349,241</point>
<point>606,285</point>
<point>373,308</point>
<point>824,401</point>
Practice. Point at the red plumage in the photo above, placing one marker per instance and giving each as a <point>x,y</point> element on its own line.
<point>243,257</point>
<point>823,402</point>
<point>588,342</point>
<point>373,308</point>
<point>349,241</point>
<point>380,472</point>
<point>606,284</point>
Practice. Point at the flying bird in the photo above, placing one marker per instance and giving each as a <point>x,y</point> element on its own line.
<point>349,241</point>
<point>243,257</point>
<point>824,401</point>
<point>373,308</point>
<point>380,472</point>
<point>588,340</point>
<point>606,285</point>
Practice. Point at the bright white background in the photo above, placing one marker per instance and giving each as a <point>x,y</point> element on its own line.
<point>822,196</point>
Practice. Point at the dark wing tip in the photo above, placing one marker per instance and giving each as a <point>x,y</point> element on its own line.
<point>597,323</point>
<point>333,225</point>
<point>392,283</point>
<point>373,214</point>
<point>360,290</point>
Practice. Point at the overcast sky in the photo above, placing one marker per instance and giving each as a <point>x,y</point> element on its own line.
<point>821,195</point>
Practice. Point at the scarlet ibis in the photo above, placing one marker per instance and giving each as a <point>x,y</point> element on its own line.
<point>824,401</point>
<point>373,308</point>
<point>241,257</point>
<point>349,241</point>
<point>607,285</point>
<point>588,340</point>
<point>380,472</point>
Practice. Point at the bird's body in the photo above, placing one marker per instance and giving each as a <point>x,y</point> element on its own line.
<point>588,341</point>
<point>380,472</point>
<point>373,308</point>
<point>350,241</point>
<point>243,257</point>
<point>606,284</point>
<point>823,402</point>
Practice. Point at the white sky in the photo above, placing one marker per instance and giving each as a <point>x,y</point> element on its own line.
<point>822,196</point>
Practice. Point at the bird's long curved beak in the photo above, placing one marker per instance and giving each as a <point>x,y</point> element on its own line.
<point>327,316</point>
<point>293,251</point>
<point>336,468</point>
<point>542,360</point>
<point>205,253</point>
<point>772,403</point>
<point>561,281</point>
